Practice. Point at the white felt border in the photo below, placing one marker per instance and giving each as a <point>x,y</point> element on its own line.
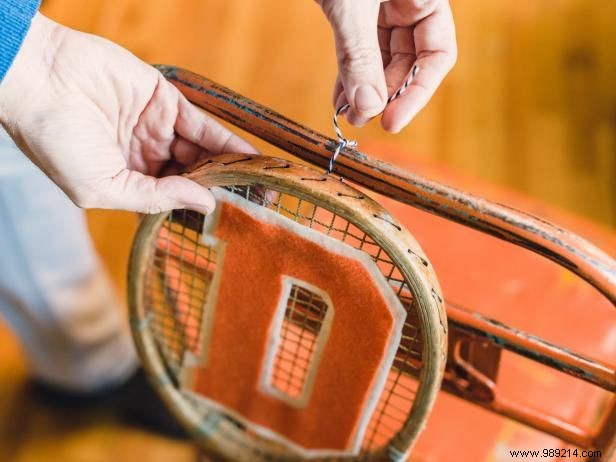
<point>191,360</point>
<point>274,343</point>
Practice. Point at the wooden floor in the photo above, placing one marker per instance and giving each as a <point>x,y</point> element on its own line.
<point>531,104</point>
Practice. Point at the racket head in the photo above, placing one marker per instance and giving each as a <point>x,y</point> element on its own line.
<point>300,194</point>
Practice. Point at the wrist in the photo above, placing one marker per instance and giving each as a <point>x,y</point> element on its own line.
<point>30,69</point>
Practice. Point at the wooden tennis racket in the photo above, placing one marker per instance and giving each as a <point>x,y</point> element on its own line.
<point>347,372</point>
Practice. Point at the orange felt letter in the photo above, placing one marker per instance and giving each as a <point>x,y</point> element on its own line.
<point>261,249</point>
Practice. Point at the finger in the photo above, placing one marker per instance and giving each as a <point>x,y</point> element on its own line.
<point>341,101</point>
<point>435,48</point>
<point>354,23</point>
<point>403,109</point>
<point>134,191</point>
<point>402,58</point>
<point>338,90</point>
<point>351,116</point>
<point>185,152</point>
<point>355,119</point>
<point>198,128</point>
<point>384,35</point>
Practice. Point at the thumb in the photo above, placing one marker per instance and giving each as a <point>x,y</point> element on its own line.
<point>359,56</point>
<point>131,190</point>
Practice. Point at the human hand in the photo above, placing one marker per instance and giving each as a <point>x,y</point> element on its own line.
<point>103,125</point>
<point>377,43</point>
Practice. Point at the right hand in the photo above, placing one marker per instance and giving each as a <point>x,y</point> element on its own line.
<point>377,43</point>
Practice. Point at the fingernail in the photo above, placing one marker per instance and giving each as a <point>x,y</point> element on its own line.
<point>357,120</point>
<point>368,101</point>
<point>393,128</point>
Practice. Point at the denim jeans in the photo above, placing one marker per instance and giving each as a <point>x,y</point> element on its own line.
<point>54,291</point>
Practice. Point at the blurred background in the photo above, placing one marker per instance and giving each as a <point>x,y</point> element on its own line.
<point>531,105</point>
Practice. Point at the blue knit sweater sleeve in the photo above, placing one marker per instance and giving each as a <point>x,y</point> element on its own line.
<point>15,19</point>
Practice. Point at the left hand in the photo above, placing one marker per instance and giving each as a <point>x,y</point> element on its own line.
<point>377,43</point>
<point>106,127</point>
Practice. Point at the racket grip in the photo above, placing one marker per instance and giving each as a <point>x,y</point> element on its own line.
<point>520,228</point>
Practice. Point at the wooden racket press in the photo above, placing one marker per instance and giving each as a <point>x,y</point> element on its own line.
<point>469,372</point>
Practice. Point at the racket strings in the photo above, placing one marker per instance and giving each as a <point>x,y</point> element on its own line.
<point>304,317</point>
<point>183,268</point>
<point>178,281</point>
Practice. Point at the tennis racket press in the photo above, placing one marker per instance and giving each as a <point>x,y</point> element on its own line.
<point>302,321</point>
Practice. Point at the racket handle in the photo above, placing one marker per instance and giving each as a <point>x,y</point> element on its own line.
<point>522,229</point>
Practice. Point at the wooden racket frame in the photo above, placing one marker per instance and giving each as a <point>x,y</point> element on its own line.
<point>325,191</point>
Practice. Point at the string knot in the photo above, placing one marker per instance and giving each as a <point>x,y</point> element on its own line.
<point>342,141</point>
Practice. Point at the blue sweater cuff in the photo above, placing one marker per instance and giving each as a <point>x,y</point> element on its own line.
<point>15,19</point>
